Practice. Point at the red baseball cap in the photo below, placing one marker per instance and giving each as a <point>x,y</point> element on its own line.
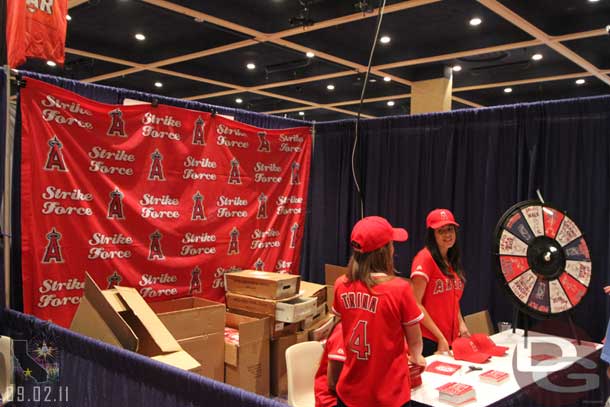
<point>374,232</point>
<point>439,218</point>
<point>465,349</point>
<point>485,344</point>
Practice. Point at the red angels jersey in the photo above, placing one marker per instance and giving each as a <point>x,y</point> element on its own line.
<point>442,296</point>
<point>333,350</point>
<point>376,371</point>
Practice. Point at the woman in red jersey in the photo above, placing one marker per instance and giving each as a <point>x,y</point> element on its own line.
<point>378,311</point>
<point>438,282</point>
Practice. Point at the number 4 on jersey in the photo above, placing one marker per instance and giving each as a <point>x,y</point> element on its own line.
<point>358,343</point>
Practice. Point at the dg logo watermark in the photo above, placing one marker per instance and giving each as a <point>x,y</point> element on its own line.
<point>557,371</point>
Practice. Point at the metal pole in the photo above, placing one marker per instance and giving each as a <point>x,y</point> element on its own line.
<point>6,235</point>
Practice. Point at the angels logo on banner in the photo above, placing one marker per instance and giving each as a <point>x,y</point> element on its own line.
<point>167,199</point>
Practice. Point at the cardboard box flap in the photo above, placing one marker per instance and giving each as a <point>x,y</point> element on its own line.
<point>88,321</point>
<point>179,359</point>
<point>145,315</point>
<point>333,272</point>
<point>111,318</point>
<point>250,329</point>
<point>179,315</point>
<point>231,354</point>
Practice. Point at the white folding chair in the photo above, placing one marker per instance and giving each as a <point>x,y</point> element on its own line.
<point>302,362</point>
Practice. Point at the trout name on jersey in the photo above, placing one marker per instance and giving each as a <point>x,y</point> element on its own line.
<point>360,300</point>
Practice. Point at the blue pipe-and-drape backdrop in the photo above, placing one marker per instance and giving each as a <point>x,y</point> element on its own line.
<point>478,163</point>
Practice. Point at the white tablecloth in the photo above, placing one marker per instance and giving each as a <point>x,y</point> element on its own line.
<point>566,350</point>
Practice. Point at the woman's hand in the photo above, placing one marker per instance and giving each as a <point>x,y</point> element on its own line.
<point>464,332</point>
<point>443,347</point>
<point>419,360</point>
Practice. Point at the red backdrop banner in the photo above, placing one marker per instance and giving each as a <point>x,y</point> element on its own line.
<point>159,198</point>
<point>36,29</point>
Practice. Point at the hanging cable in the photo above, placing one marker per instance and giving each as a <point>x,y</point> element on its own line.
<point>366,80</point>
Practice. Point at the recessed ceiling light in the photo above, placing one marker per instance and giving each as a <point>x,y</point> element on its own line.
<point>508,90</point>
<point>372,80</point>
<point>537,57</point>
<point>158,84</point>
<point>387,79</point>
<point>250,66</point>
<point>456,68</point>
<point>385,39</point>
<point>239,100</point>
<point>580,81</point>
<point>390,103</point>
<point>310,54</point>
<point>140,37</point>
<point>475,21</point>
<point>593,1</point>
<point>301,113</point>
<point>51,63</point>
<point>330,87</point>
<point>68,17</point>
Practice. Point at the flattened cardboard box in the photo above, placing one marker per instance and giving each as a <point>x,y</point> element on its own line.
<point>313,290</point>
<point>121,317</point>
<point>247,363</point>
<point>262,284</point>
<point>198,325</point>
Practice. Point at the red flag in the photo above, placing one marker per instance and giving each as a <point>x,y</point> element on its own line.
<point>36,28</point>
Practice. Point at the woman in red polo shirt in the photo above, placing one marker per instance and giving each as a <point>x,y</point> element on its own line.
<point>438,283</point>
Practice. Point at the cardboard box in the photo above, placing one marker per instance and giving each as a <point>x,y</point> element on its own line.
<point>121,317</point>
<point>190,317</point>
<point>294,310</point>
<point>276,328</point>
<point>247,362</point>
<point>209,351</point>
<point>333,272</point>
<point>279,380</point>
<point>198,325</point>
<point>312,290</point>
<point>262,284</point>
<point>317,316</point>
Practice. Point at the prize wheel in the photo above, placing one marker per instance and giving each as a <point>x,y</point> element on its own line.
<point>543,259</point>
